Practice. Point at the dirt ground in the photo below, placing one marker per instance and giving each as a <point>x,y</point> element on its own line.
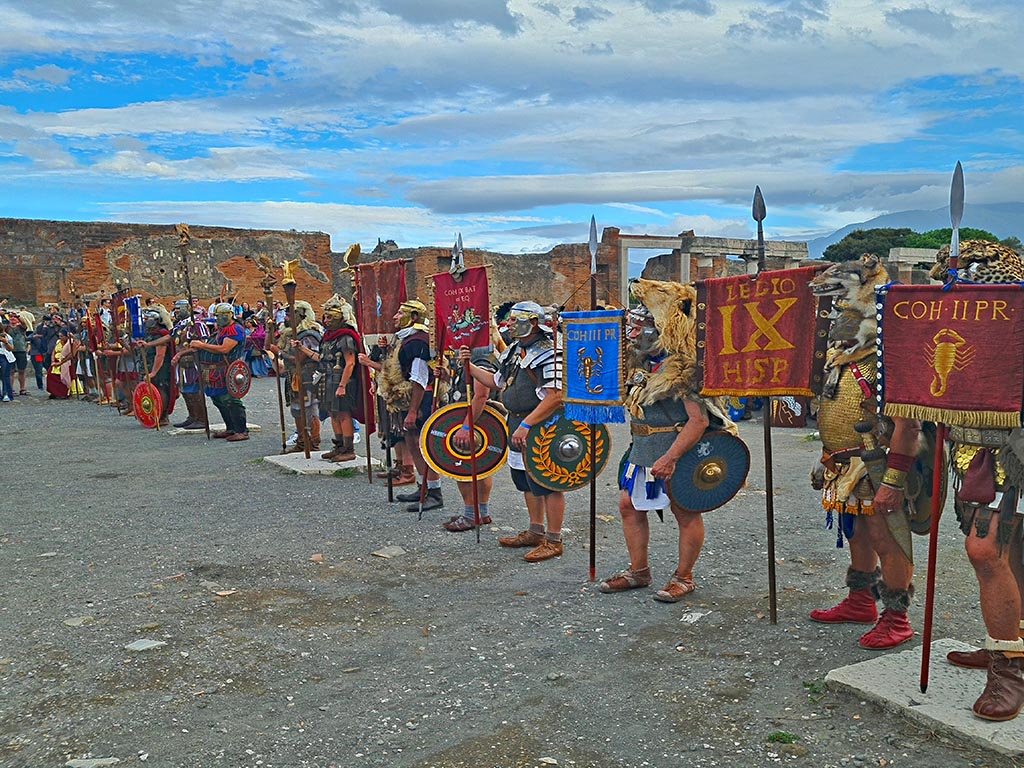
<point>287,643</point>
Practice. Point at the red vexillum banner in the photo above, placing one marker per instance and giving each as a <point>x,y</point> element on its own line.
<point>954,356</point>
<point>756,335</point>
<point>462,310</point>
<point>380,289</point>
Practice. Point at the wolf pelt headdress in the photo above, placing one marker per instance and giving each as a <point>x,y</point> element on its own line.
<point>674,308</point>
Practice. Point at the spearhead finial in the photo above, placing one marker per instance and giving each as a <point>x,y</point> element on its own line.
<point>458,265</point>
<point>956,213</point>
<point>758,210</point>
<point>593,245</point>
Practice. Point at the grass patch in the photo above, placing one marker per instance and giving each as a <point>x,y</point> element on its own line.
<point>346,472</point>
<point>782,737</point>
<point>816,690</point>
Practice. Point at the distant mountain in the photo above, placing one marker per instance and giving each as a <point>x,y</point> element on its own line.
<point>1001,219</point>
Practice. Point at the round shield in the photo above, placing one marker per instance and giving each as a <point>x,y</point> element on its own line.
<point>710,473</point>
<point>444,457</point>
<point>239,378</point>
<point>557,455</point>
<point>147,404</point>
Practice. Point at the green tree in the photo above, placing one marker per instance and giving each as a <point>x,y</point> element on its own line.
<point>937,238</point>
<point>1013,242</point>
<point>861,241</point>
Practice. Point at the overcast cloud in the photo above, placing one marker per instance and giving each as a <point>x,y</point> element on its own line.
<point>511,122</point>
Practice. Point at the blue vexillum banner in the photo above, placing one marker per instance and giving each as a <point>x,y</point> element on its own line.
<point>592,364</point>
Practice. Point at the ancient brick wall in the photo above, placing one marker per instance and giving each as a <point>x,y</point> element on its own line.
<point>42,261</point>
<point>560,277</point>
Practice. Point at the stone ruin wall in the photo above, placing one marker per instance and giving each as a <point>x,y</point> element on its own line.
<point>40,261</point>
<point>561,276</point>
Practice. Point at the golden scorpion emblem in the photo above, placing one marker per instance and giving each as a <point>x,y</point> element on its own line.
<point>590,367</point>
<point>949,353</point>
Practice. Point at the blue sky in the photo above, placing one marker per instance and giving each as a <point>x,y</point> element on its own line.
<point>511,122</point>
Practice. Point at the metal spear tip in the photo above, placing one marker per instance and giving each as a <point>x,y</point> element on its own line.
<point>956,196</point>
<point>758,210</point>
<point>593,236</point>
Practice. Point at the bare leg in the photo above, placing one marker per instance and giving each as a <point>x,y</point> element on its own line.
<point>637,531</point>
<point>554,511</point>
<point>483,490</point>
<point>863,556</point>
<point>691,540</point>
<point>897,569</point>
<point>341,423</point>
<point>535,508</point>
<point>1000,596</point>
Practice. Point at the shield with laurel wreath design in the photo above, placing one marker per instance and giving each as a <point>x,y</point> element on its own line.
<point>557,455</point>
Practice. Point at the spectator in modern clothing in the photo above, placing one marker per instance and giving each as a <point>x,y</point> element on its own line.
<point>6,363</point>
<point>20,339</point>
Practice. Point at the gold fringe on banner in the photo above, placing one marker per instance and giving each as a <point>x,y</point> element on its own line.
<point>770,392</point>
<point>979,419</point>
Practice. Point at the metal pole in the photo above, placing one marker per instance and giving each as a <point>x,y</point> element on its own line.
<point>759,212</point>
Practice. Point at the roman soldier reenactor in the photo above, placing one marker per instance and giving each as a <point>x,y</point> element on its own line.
<point>300,352</point>
<point>668,417</point>
<point>185,331</point>
<point>226,347</point>
<point>338,366</point>
<point>158,347</point>
<point>409,390</point>
<point>529,379</point>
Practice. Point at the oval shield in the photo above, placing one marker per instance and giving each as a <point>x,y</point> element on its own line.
<point>147,404</point>
<point>557,454</point>
<point>239,379</point>
<point>444,457</point>
<point>710,473</point>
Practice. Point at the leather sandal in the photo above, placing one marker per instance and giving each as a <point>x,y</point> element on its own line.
<point>460,524</point>
<point>626,580</point>
<point>484,519</point>
<point>677,588</point>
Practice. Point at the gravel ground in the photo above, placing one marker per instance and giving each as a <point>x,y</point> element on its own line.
<point>288,644</point>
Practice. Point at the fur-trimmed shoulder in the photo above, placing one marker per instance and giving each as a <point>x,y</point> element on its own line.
<point>674,379</point>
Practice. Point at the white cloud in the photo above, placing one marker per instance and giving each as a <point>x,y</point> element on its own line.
<point>469,112</point>
<point>941,25</point>
<point>46,73</point>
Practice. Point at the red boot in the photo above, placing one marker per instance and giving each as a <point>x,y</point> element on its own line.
<point>856,608</point>
<point>892,629</point>
<point>859,606</point>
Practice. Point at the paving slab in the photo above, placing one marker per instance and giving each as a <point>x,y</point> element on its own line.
<point>314,465</point>
<point>892,680</point>
<point>175,431</point>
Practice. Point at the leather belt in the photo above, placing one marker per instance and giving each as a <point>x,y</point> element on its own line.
<point>834,461</point>
<point>644,430</point>
<point>989,438</point>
